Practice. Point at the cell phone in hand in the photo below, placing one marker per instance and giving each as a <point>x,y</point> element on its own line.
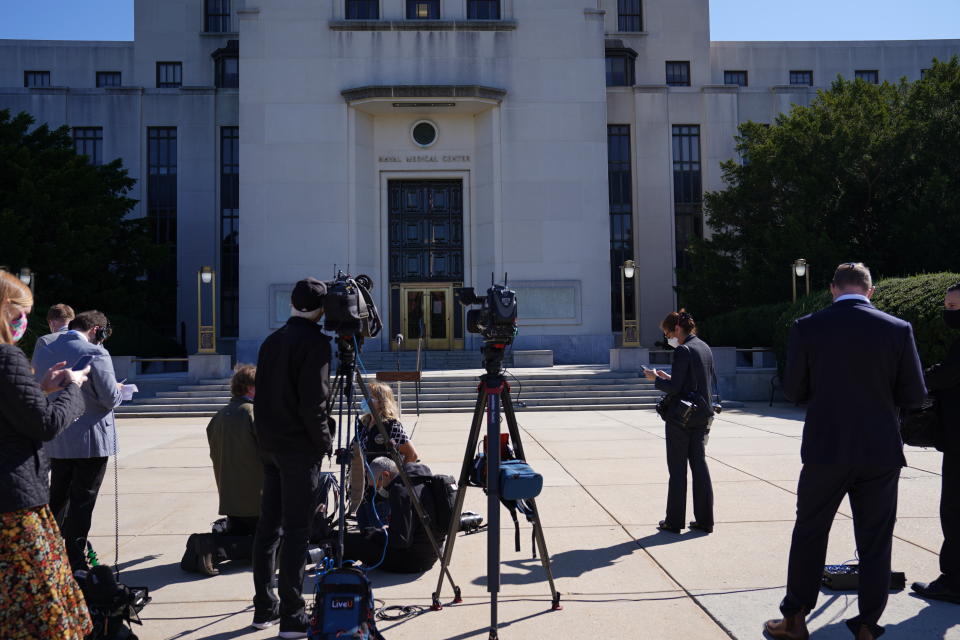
<point>82,363</point>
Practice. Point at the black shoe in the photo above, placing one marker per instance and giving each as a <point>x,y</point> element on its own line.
<point>699,527</point>
<point>265,619</point>
<point>294,627</point>
<point>663,526</point>
<point>937,590</point>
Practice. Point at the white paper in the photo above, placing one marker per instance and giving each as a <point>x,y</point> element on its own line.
<point>127,391</point>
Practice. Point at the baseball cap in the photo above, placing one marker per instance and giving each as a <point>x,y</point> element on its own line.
<point>308,295</point>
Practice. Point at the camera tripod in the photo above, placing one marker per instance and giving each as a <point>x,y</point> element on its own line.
<point>342,390</point>
<point>492,392</point>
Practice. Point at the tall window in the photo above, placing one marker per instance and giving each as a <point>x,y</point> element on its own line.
<point>363,9</point>
<point>228,72</point>
<point>687,188</point>
<point>217,16</point>
<point>868,75</point>
<point>162,213</point>
<point>88,141</point>
<point>738,78</point>
<point>230,232</point>
<point>621,214</point>
<point>169,75</point>
<point>678,73</point>
<point>801,78</point>
<point>483,9</point>
<point>108,78</point>
<point>36,78</point>
<point>629,17</point>
<point>423,9</point>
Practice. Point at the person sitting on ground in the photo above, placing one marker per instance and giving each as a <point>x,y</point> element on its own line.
<point>399,537</point>
<point>238,472</point>
<point>371,442</point>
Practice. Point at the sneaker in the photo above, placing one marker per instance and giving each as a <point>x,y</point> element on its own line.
<point>265,619</point>
<point>294,627</point>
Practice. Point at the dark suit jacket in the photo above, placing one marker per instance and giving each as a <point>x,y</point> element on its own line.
<point>855,365</point>
<point>692,371</point>
<point>943,380</point>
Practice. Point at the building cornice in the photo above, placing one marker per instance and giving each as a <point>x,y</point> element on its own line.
<point>423,25</point>
<point>428,92</point>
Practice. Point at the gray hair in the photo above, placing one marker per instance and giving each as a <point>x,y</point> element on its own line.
<point>381,464</point>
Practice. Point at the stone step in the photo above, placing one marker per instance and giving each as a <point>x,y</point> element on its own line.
<point>425,389</point>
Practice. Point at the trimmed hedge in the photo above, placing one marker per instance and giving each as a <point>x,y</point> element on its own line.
<point>744,328</point>
<point>916,299</point>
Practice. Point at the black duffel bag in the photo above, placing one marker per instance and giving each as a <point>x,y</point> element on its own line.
<point>921,426</point>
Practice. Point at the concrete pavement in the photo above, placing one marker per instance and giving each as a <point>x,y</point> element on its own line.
<point>605,477</point>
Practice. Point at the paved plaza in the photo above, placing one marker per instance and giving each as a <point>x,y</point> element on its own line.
<point>605,477</point>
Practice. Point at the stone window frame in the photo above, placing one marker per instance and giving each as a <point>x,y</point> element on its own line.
<point>728,74</point>
<point>677,73</point>
<point>801,77</point>
<point>33,78</point>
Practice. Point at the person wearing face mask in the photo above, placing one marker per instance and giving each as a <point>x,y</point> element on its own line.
<point>79,455</point>
<point>943,380</point>
<point>399,537</point>
<point>692,372</point>
<point>41,600</point>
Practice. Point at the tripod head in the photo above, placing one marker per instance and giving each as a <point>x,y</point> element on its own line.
<point>493,357</point>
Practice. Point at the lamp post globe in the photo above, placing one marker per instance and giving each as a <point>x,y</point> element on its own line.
<point>629,268</point>
<point>800,267</point>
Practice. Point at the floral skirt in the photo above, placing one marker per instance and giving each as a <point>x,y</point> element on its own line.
<point>39,599</point>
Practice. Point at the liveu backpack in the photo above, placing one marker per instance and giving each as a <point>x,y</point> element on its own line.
<point>343,608</point>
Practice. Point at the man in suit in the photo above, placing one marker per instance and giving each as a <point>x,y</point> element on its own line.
<point>78,456</point>
<point>854,365</point>
<point>943,380</point>
<point>58,317</point>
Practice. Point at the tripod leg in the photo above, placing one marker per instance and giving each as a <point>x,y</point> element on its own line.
<point>414,498</point>
<point>462,483</point>
<point>537,526</point>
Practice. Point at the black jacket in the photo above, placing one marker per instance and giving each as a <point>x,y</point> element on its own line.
<point>293,382</point>
<point>943,381</point>
<point>27,420</point>
<point>855,365</point>
<point>405,528</point>
<point>692,371</point>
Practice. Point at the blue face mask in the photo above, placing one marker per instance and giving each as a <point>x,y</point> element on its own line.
<point>364,406</point>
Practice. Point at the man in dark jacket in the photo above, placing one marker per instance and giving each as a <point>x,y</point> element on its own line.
<point>401,536</point>
<point>294,434</point>
<point>943,380</point>
<point>854,365</point>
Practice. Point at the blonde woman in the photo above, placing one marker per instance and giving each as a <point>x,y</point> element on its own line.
<point>371,442</point>
<point>39,599</point>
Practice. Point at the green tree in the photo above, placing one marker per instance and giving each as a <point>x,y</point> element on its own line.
<point>67,220</point>
<point>866,172</point>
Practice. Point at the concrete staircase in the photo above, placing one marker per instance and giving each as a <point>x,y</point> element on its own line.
<point>429,360</point>
<point>566,389</point>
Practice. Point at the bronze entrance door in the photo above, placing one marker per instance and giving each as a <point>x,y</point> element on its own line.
<point>426,262</point>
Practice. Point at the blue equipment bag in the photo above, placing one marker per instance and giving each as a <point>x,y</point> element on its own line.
<point>344,607</point>
<point>518,481</point>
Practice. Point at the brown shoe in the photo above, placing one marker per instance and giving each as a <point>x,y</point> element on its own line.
<point>790,628</point>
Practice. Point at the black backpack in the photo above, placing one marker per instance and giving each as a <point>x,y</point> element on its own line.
<point>443,492</point>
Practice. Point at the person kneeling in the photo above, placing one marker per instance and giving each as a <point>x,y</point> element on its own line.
<point>401,540</point>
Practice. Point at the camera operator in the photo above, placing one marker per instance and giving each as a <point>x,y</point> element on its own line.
<point>294,433</point>
<point>79,455</point>
<point>408,548</point>
<point>943,380</point>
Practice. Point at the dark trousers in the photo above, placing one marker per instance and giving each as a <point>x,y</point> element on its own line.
<point>688,446</point>
<point>356,546</point>
<point>950,519</point>
<point>290,483</point>
<point>873,500</point>
<point>74,486</point>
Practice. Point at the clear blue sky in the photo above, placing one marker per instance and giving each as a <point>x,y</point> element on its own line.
<point>730,19</point>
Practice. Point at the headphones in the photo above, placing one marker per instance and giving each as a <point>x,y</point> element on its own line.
<point>100,334</point>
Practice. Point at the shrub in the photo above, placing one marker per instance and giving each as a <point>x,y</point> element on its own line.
<point>745,328</point>
<point>916,299</point>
